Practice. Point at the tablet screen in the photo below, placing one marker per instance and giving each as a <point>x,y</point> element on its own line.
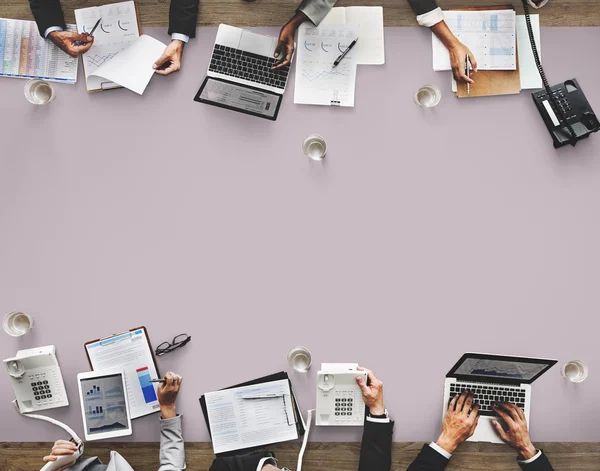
<point>104,404</point>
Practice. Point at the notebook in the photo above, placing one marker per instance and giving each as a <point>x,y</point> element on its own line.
<point>231,415</point>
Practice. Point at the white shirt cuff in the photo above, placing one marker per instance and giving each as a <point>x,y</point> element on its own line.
<point>264,461</point>
<point>431,18</point>
<point>181,37</point>
<point>531,460</point>
<point>379,421</point>
<point>440,450</point>
<point>52,29</point>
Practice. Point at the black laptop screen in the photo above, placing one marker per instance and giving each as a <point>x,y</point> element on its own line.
<point>519,369</point>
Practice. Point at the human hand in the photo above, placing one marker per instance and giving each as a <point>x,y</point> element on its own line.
<point>460,421</point>
<point>170,61</point>
<point>167,393</point>
<point>72,43</point>
<point>285,46</point>
<point>61,448</point>
<point>458,59</point>
<point>516,433</point>
<point>373,393</point>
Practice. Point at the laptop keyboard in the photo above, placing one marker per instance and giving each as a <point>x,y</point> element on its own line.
<point>248,66</point>
<point>486,395</point>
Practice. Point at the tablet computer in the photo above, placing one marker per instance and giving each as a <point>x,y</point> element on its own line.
<point>104,405</point>
<point>239,97</point>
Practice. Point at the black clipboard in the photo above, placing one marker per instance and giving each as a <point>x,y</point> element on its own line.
<point>130,331</point>
<point>265,379</point>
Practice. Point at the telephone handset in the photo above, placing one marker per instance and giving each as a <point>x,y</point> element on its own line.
<point>564,107</point>
<point>37,379</point>
<point>339,399</point>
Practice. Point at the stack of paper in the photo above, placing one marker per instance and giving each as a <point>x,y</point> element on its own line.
<point>251,416</point>
<point>25,54</point>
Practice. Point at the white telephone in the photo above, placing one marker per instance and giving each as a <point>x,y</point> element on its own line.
<point>36,379</point>
<point>339,399</point>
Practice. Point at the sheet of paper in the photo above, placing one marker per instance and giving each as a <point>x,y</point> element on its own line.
<point>530,76</point>
<point>317,82</point>
<point>490,35</point>
<point>132,68</point>
<point>25,54</point>
<point>370,48</point>
<point>131,352</point>
<point>116,32</point>
<point>237,423</point>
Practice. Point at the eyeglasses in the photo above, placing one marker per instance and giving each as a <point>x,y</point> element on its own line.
<point>167,347</point>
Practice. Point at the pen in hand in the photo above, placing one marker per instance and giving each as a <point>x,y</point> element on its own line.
<point>158,380</point>
<point>467,72</point>
<point>91,33</point>
<point>339,59</point>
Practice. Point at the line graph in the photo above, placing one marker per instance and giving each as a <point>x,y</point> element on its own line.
<point>312,75</point>
<point>97,61</point>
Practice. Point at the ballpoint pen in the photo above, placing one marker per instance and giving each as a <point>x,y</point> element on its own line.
<point>91,33</point>
<point>158,380</point>
<point>467,71</point>
<point>339,59</point>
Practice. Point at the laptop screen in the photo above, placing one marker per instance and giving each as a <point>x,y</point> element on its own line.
<point>496,367</point>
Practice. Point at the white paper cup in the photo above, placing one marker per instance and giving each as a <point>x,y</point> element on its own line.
<point>575,371</point>
<point>300,359</point>
<point>16,324</point>
<point>314,147</point>
<point>39,92</point>
<point>428,96</point>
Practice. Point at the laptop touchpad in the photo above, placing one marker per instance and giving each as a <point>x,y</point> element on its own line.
<point>257,43</point>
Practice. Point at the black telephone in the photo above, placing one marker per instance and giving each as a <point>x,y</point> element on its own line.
<point>564,107</point>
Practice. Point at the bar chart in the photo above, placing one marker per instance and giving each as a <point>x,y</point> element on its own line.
<point>146,385</point>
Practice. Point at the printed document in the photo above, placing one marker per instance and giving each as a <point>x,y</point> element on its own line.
<point>25,54</point>
<point>530,76</point>
<point>317,82</point>
<point>130,351</point>
<point>490,35</point>
<point>132,68</point>
<point>251,416</point>
<point>370,48</point>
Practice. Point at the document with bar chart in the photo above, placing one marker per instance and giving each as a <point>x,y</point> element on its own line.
<point>490,35</point>
<point>25,54</point>
<point>130,351</point>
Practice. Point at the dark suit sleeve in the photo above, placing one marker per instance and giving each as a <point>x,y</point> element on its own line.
<point>428,460</point>
<point>540,464</point>
<point>47,13</point>
<point>376,447</point>
<point>420,7</point>
<point>183,16</point>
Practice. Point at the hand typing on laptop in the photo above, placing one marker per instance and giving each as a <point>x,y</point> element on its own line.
<point>460,421</point>
<point>515,432</point>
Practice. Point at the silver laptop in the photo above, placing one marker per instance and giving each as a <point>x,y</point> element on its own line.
<point>494,378</point>
<point>240,75</point>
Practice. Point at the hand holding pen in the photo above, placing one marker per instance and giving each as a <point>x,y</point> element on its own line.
<point>90,34</point>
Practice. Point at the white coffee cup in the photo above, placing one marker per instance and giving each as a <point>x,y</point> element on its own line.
<point>300,359</point>
<point>314,147</point>
<point>16,323</point>
<point>575,371</point>
<point>39,92</point>
<point>428,96</point>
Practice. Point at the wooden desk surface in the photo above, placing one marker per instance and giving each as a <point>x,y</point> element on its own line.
<point>320,456</point>
<point>277,12</point>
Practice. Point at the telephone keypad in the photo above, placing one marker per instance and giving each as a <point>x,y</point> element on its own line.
<point>42,392</point>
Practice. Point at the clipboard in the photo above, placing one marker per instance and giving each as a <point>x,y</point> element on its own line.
<point>300,426</point>
<point>142,394</point>
<point>491,82</point>
<point>105,86</point>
